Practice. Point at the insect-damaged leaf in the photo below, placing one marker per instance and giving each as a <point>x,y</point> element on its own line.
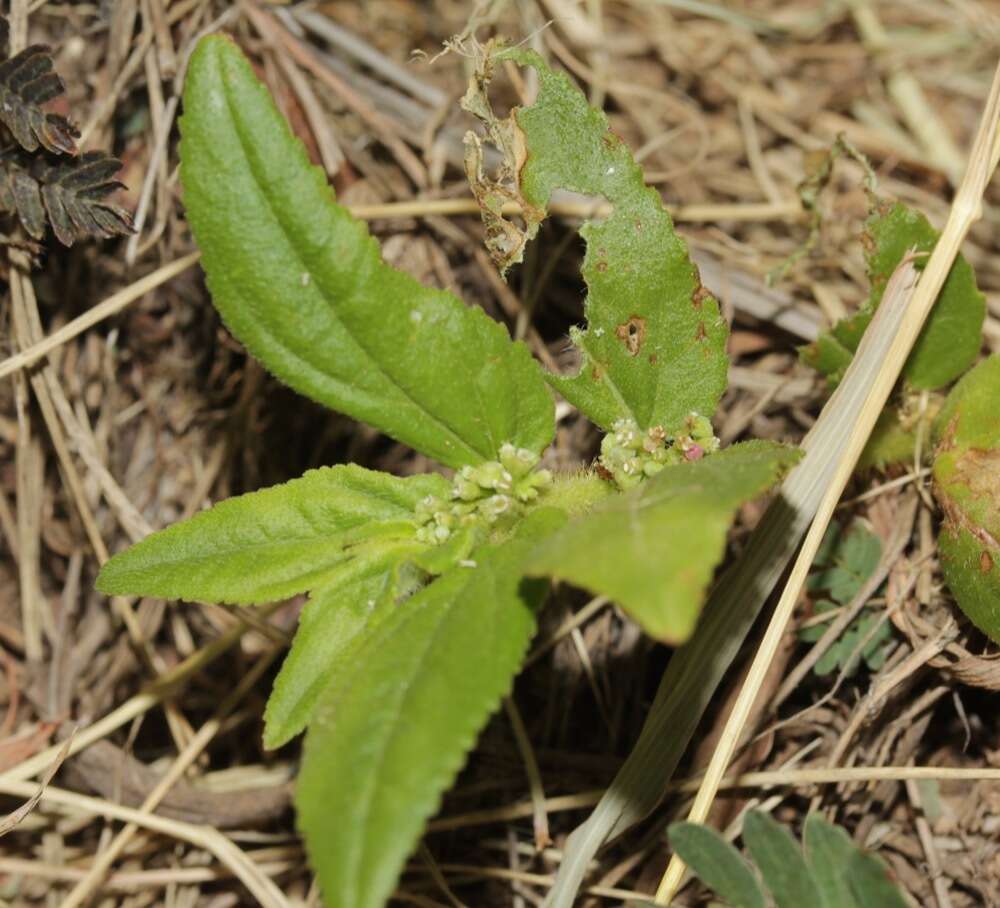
<point>273,543</point>
<point>653,350</point>
<point>967,485</point>
<point>951,338</point>
<point>393,727</point>
<point>654,549</point>
<point>301,283</point>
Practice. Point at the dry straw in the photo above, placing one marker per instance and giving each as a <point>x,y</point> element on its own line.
<point>914,303</point>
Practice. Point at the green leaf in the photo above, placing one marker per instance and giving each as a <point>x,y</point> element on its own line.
<point>828,851</point>
<point>654,549</point>
<point>717,864</point>
<point>967,485</point>
<point>301,283</point>
<point>871,883</point>
<point>890,443</point>
<point>780,861</point>
<point>334,623</point>
<point>952,336</point>
<point>273,543</point>
<point>654,347</point>
<point>397,719</point>
<point>851,561</point>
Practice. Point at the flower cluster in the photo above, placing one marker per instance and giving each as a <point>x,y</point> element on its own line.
<point>631,455</point>
<point>480,495</point>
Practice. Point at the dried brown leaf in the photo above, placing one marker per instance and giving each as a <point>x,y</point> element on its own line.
<point>27,82</point>
<point>72,195</point>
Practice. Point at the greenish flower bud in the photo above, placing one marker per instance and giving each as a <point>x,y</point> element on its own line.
<point>494,506</point>
<point>465,489</point>
<point>489,475</point>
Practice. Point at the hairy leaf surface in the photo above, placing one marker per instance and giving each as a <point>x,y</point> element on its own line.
<point>273,543</point>
<point>654,347</point>
<point>780,861</point>
<point>951,338</point>
<point>872,884</point>
<point>302,284</point>
<point>967,485</point>
<point>654,549</point>
<point>394,725</point>
<point>333,624</point>
<point>829,850</point>
<point>717,864</point>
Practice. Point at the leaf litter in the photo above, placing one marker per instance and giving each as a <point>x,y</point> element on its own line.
<point>176,416</point>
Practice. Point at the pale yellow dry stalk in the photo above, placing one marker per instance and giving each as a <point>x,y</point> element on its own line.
<point>857,426</point>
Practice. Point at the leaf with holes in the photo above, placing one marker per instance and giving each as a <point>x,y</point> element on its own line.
<point>299,281</point>
<point>653,350</point>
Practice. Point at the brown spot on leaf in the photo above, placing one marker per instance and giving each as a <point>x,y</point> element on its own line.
<point>701,334</point>
<point>699,296</point>
<point>653,358</point>
<point>632,333</point>
<point>985,562</point>
<point>602,266</point>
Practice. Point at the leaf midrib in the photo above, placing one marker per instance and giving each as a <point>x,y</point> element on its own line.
<point>444,427</point>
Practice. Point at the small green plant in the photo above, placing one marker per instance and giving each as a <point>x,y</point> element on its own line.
<point>423,591</point>
<point>846,559</point>
<point>828,871</point>
<point>42,180</point>
<point>957,436</point>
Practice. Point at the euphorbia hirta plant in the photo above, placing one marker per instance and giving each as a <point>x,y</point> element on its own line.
<point>423,591</point>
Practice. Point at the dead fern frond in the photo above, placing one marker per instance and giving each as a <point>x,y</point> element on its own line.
<point>27,81</point>
<point>71,194</point>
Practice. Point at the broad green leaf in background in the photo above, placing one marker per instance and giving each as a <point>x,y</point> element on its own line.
<point>273,543</point>
<point>717,864</point>
<point>395,723</point>
<point>780,861</point>
<point>654,347</point>
<point>871,883</point>
<point>654,549</point>
<point>967,485</point>
<point>334,623</point>
<point>302,285</point>
<point>835,872</point>
<point>829,850</point>
<point>952,336</point>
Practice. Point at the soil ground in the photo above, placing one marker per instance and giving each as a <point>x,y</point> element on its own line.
<point>154,412</point>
